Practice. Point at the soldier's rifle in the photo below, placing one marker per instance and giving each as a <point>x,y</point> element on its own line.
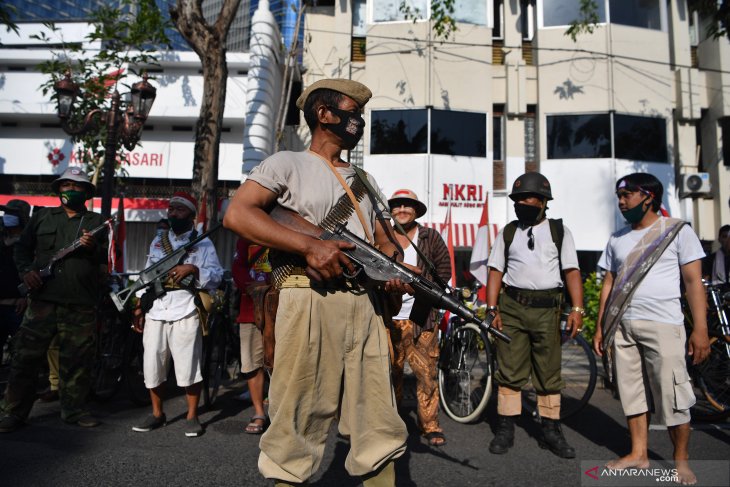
<point>155,275</point>
<point>380,267</point>
<point>46,272</point>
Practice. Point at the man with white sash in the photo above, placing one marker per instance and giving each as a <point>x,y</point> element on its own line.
<point>641,320</point>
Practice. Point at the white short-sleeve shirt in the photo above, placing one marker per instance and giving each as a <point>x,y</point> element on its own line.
<point>535,269</point>
<point>657,296</point>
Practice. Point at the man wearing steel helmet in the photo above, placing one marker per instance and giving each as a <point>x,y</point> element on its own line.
<point>331,358</point>
<point>63,305</point>
<point>524,287</point>
<point>412,337</point>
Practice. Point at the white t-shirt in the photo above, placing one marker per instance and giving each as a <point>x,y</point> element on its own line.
<point>657,296</point>
<point>535,269</point>
<point>303,183</point>
<point>410,257</point>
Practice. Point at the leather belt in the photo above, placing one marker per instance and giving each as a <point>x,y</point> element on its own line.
<point>548,298</point>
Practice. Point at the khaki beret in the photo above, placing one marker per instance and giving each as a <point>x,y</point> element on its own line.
<point>357,91</point>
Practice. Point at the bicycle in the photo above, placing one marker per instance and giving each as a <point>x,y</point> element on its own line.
<point>468,362</point>
<point>221,352</point>
<point>118,354</point>
<point>712,376</point>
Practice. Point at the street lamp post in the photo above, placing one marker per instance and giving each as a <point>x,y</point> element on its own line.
<point>126,124</point>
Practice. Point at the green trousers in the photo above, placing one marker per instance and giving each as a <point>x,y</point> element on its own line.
<point>75,328</point>
<point>534,350</point>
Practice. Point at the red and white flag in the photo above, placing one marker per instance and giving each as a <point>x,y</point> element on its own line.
<point>482,245</point>
<point>447,233</point>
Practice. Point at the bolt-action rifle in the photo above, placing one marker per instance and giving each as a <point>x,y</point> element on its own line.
<point>156,274</point>
<point>379,267</point>
<point>47,271</point>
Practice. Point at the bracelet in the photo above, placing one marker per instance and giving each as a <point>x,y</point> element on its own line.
<point>578,309</point>
<point>492,308</point>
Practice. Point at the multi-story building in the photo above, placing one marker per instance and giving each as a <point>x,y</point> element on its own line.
<point>35,150</point>
<point>458,120</point>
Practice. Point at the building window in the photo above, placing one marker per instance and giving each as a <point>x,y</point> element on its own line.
<point>466,11</point>
<point>391,11</point>
<point>640,138</point>
<point>578,136</point>
<point>527,19</point>
<point>399,131</point>
<point>643,13</point>
<point>589,136</point>
<point>406,132</point>
<point>498,16</point>
<point>499,176</point>
<point>725,134</point>
<point>458,133</point>
<point>563,12</point>
<point>530,140</point>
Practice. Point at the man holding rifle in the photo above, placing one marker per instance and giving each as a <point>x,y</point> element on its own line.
<point>63,303</point>
<point>169,321</point>
<point>331,354</point>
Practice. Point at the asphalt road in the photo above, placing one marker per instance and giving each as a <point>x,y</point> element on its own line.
<point>48,452</point>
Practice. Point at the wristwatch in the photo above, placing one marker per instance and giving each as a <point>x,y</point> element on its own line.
<point>578,309</point>
<point>492,308</point>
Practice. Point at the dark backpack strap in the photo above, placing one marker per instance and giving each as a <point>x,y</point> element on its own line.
<point>508,234</point>
<point>557,232</point>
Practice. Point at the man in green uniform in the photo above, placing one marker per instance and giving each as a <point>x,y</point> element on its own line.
<point>63,304</point>
<point>525,278</point>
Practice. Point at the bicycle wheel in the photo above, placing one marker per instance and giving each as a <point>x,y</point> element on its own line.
<point>579,372</point>
<point>133,371</point>
<point>713,378</point>
<point>107,371</point>
<point>465,373</point>
<point>214,363</point>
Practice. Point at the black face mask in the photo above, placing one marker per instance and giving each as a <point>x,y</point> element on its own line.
<point>350,127</point>
<point>528,214</point>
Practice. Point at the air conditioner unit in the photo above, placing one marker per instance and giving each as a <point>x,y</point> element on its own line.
<point>695,185</point>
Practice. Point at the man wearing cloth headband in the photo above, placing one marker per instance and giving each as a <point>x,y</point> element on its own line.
<point>647,333</point>
<point>171,327</point>
<point>63,305</point>
<point>331,357</point>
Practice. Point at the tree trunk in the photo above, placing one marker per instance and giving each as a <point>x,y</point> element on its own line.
<point>209,42</point>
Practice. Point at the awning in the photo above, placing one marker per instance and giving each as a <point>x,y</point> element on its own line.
<point>135,209</point>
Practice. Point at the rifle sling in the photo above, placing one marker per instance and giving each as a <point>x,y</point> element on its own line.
<point>284,264</point>
<point>432,268</point>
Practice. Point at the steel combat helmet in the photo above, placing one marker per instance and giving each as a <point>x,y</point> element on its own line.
<point>531,183</point>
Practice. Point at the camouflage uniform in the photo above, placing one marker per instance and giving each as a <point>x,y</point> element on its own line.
<point>64,306</point>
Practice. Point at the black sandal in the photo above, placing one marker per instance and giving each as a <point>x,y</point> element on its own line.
<point>434,437</point>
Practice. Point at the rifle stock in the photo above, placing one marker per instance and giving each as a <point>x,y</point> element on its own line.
<point>155,274</point>
<point>380,267</point>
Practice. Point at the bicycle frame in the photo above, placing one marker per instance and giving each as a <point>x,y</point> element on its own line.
<point>717,302</point>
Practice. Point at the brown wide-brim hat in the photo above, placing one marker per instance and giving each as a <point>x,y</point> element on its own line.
<point>407,197</point>
<point>75,174</point>
<point>357,91</point>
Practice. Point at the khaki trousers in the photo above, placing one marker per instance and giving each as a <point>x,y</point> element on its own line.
<point>331,356</point>
<point>651,369</point>
<point>422,356</point>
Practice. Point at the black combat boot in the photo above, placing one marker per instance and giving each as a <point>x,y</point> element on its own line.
<point>553,439</point>
<point>504,438</point>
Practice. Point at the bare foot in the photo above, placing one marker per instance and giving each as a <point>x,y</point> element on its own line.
<point>629,461</point>
<point>685,474</point>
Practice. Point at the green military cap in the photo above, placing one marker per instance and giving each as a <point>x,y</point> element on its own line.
<point>357,91</point>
